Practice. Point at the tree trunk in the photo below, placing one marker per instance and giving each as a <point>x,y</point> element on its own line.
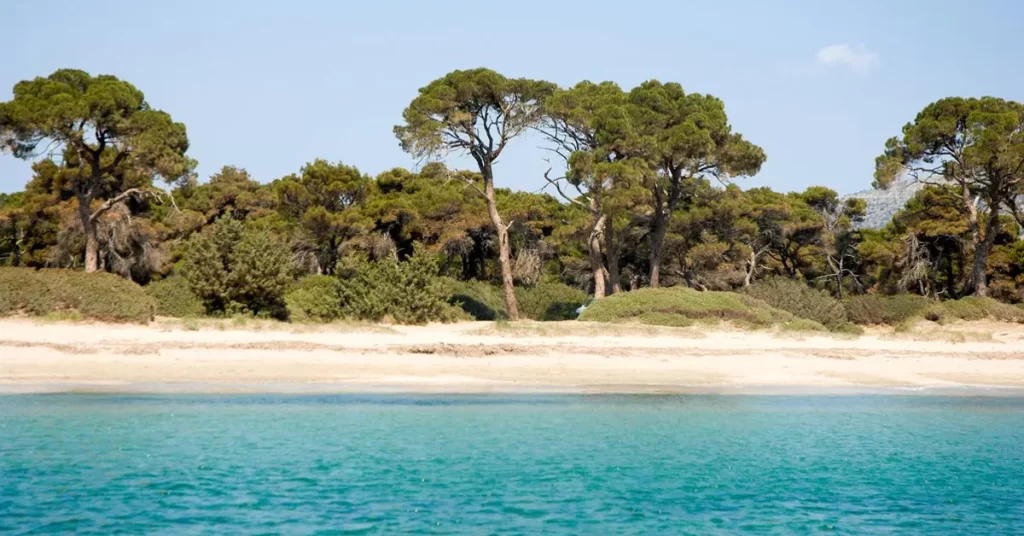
<point>951,277</point>
<point>15,248</point>
<point>596,262</point>
<point>978,269</point>
<point>612,254</point>
<point>837,268</point>
<point>660,226</point>
<point>505,260</point>
<point>982,242</point>
<point>92,242</point>
<point>504,250</point>
<point>982,249</point>
<point>751,267</point>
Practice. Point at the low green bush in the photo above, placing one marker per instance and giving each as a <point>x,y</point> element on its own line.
<point>96,296</point>
<point>977,308</point>
<point>872,309</point>
<point>672,320</point>
<point>549,301</point>
<point>479,299</point>
<point>678,306</point>
<point>544,301</point>
<point>848,328</point>
<point>802,324</point>
<point>174,297</point>
<point>237,268</point>
<point>314,299</point>
<point>407,292</point>
<point>800,300</point>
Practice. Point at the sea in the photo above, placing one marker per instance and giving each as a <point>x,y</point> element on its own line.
<point>501,464</point>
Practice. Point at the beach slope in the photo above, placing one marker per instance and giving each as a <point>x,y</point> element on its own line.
<point>220,357</point>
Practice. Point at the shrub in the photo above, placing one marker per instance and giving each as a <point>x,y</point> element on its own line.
<point>96,296</point>
<point>236,268</point>
<point>174,297</point>
<point>679,306</point>
<point>802,324</point>
<point>480,300</point>
<point>666,319</point>
<point>314,299</point>
<point>545,301</point>
<point>849,328</point>
<point>800,300</point>
<point>408,292</point>
<point>549,301</point>
<point>977,308</point>
<point>872,309</point>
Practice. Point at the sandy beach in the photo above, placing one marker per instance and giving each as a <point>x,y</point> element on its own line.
<point>482,357</point>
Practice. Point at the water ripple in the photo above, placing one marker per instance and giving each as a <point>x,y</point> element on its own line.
<point>515,465</point>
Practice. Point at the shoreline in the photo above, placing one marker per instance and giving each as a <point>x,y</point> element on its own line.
<point>512,391</point>
<point>220,357</point>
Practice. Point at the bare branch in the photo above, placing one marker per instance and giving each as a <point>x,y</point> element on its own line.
<point>558,187</point>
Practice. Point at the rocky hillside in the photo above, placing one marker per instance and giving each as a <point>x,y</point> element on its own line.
<point>883,204</point>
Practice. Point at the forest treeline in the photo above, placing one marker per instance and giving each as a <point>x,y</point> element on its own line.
<point>642,192</point>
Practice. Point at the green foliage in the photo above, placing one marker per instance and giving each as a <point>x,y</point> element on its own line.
<point>545,301</point>
<point>976,308</point>
<point>408,292</point>
<point>802,324</point>
<point>800,300</point>
<point>97,296</point>
<point>681,306</point>
<point>174,297</point>
<point>640,185</point>
<point>848,328</point>
<point>479,299</point>
<point>321,201</point>
<point>873,309</point>
<point>237,268</point>
<point>450,112</point>
<point>112,144</point>
<point>315,298</point>
<point>904,310</point>
<point>229,192</point>
<point>550,301</point>
<point>976,145</point>
<point>69,104</point>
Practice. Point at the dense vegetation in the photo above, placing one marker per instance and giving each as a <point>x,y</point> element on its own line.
<point>642,195</point>
<point>74,294</point>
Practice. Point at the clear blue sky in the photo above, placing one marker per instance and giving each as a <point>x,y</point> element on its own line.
<point>269,86</point>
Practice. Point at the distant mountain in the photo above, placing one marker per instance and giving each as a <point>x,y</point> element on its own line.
<point>884,204</point>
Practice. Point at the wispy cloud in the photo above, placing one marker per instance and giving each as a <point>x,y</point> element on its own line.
<point>859,60</point>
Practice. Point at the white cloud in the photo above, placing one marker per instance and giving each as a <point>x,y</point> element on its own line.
<point>859,60</point>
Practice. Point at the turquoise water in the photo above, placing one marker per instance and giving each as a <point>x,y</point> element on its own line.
<point>511,465</point>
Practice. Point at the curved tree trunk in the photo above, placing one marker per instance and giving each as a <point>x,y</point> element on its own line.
<point>92,242</point>
<point>612,254</point>
<point>751,267</point>
<point>504,249</point>
<point>505,260</point>
<point>596,261</point>
<point>982,240</point>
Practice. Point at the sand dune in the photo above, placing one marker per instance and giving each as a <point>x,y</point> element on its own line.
<point>480,357</point>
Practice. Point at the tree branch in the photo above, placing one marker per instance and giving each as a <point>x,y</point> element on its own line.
<point>558,187</point>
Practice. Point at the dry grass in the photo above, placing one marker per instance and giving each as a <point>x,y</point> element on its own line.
<point>245,323</point>
<point>958,332</point>
<point>572,328</point>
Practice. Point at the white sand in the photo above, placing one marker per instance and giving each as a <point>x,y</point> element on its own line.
<point>44,357</point>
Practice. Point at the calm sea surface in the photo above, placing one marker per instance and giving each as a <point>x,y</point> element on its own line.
<point>512,465</point>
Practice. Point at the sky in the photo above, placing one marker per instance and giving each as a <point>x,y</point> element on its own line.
<point>269,86</point>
